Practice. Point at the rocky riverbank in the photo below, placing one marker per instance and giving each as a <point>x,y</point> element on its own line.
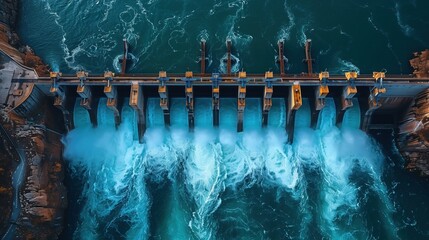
<point>413,135</point>
<point>43,195</point>
<point>8,162</point>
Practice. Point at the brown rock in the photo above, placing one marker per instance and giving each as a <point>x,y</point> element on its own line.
<point>58,168</point>
<point>45,214</point>
<point>43,196</point>
<point>413,136</point>
<point>39,145</point>
<point>4,190</point>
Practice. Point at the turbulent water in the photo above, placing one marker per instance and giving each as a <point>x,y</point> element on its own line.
<point>216,183</point>
<point>333,182</point>
<point>219,184</point>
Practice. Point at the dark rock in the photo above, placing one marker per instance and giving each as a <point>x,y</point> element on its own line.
<point>412,139</point>
<point>43,197</point>
<point>7,165</point>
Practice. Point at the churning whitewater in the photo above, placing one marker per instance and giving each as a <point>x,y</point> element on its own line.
<point>220,184</point>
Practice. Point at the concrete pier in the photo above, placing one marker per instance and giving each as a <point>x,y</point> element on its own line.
<point>189,94</point>
<point>215,98</point>
<point>164,102</point>
<point>374,99</point>
<point>294,103</point>
<point>321,93</point>
<point>348,93</point>
<point>268,94</point>
<point>136,102</point>
<point>241,99</point>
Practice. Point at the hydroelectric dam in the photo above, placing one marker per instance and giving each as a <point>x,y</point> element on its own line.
<point>245,102</point>
<point>366,101</point>
<point>214,119</point>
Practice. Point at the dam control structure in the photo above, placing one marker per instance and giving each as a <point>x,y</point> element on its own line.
<point>381,100</point>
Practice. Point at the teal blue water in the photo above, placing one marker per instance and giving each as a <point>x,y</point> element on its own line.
<point>165,35</point>
<point>334,183</point>
<point>331,183</point>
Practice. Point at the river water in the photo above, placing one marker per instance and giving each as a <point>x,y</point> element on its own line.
<point>346,34</point>
<point>334,183</point>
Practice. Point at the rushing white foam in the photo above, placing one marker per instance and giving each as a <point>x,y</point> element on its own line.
<point>204,179</point>
<point>110,163</point>
<point>164,153</point>
<point>203,164</point>
<point>343,152</point>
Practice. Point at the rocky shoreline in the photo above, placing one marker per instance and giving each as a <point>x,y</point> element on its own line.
<point>42,197</point>
<point>413,135</point>
<point>8,162</point>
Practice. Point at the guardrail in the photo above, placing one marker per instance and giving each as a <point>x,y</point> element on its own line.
<point>205,79</point>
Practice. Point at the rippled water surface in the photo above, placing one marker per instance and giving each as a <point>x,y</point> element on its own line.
<point>350,34</point>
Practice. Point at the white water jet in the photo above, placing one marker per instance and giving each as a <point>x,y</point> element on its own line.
<point>110,163</point>
<point>342,152</point>
<point>115,167</point>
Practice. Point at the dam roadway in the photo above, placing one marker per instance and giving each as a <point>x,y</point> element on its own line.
<point>175,79</point>
<point>386,94</point>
